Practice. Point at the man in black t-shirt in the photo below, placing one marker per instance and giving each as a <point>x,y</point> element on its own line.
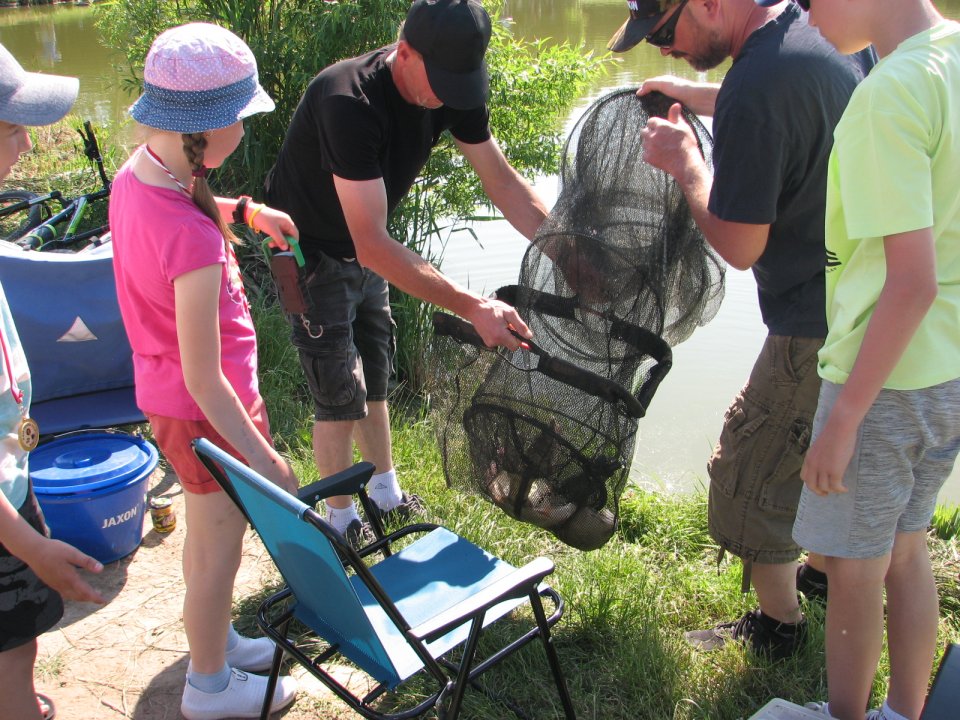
<point>362,133</point>
<point>763,209</point>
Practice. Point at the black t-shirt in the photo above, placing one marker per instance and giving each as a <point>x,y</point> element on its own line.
<point>773,130</point>
<point>352,122</point>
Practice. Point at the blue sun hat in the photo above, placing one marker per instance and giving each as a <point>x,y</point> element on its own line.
<point>199,77</point>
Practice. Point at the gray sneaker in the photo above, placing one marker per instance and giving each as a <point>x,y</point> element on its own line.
<point>410,506</point>
<point>359,534</point>
<point>243,697</point>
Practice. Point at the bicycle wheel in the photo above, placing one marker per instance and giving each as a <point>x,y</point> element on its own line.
<point>14,225</point>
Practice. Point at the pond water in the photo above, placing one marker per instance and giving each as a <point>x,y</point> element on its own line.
<point>675,438</point>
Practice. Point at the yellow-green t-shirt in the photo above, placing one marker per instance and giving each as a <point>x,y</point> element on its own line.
<point>894,168</point>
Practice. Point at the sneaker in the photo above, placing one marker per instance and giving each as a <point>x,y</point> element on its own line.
<point>242,698</point>
<point>410,505</point>
<point>359,534</point>
<point>814,590</point>
<point>252,654</point>
<point>752,631</point>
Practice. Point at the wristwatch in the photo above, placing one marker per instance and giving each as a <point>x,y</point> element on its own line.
<point>240,211</point>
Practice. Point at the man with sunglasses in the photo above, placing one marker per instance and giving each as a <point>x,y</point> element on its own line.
<point>763,209</point>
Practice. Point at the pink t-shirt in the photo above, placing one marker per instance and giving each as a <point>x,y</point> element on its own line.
<point>159,234</point>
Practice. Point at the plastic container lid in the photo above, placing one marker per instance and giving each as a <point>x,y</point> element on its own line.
<point>89,462</point>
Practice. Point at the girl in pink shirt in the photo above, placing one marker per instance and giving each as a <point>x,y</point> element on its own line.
<point>189,324</point>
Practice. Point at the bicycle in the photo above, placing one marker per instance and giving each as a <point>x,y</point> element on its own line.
<point>29,220</point>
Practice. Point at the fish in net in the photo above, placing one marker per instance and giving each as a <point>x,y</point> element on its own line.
<point>618,273</point>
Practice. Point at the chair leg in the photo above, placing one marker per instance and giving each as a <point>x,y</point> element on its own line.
<point>271,682</point>
<point>463,675</point>
<point>552,658</point>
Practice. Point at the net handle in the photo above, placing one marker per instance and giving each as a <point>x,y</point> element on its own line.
<point>641,339</point>
<point>568,373</point>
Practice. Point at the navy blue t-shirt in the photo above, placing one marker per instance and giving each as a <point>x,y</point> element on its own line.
<point>773,131</point>
<point>352,122</point>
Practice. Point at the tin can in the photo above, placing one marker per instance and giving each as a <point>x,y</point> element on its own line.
<point>161,512</point>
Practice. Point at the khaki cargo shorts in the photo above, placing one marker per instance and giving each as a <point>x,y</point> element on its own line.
<point>755,468</point>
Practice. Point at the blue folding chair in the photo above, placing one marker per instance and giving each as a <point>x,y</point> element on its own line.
<point>395,618</point>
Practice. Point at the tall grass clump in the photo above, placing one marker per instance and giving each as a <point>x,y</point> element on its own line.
<point>946,521</point>
<point>295,39</point>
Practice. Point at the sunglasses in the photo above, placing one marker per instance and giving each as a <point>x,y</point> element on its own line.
<point>663,36</point>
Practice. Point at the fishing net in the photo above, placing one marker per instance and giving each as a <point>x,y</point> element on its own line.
<point>618,273</point>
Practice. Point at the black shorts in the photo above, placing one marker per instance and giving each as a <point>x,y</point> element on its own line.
<point>28,607</point>
<point>346,341</point>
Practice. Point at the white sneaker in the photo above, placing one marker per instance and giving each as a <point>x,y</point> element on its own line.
<point>252,654</point>
<point>242,698</point>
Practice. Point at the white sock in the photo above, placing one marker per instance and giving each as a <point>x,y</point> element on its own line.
<point>233,637</point>
<point>888,714</point>
<point>340,518</point>
<point>210,682</point>
<point>384,490</point>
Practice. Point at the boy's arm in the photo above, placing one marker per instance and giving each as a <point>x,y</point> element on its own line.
<point>53,561</point>
<point>908,292</point>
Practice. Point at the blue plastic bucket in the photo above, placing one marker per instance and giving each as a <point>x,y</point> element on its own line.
<point>92,488</point>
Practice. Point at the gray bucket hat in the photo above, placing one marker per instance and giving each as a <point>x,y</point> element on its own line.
<point>28,98</point>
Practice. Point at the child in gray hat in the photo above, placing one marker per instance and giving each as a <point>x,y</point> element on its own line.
<point>35,571</point>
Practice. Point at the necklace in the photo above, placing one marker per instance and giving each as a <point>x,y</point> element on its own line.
<point>28,432</point>
<point>155,159</point>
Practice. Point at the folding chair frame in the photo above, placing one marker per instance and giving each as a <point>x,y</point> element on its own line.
<point>276,612</point>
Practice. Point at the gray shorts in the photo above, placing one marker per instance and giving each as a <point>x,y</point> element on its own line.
<point>28,607</point>
<point>906,448</point>
<point>347,346</point>
<point>755,468</point>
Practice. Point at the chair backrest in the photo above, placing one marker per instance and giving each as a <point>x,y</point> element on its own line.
<point>325,598</point>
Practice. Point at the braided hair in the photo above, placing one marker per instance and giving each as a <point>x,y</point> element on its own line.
<point>194,145</point>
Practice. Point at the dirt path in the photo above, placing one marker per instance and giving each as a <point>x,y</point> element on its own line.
<point>128,658</point>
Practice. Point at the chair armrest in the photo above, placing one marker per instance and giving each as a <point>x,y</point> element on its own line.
<point>345,482</point>
<point>517,583</point>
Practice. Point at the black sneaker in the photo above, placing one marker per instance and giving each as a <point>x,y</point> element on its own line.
<point>753,631</point>
<point>410,505</point>
<point>812,583</point>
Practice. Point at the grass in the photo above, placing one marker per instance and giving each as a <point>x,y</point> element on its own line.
<point>628,603</point>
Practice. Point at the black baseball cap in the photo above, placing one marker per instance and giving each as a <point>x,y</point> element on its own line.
<point>644,16</point>
<point>452,36</point>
